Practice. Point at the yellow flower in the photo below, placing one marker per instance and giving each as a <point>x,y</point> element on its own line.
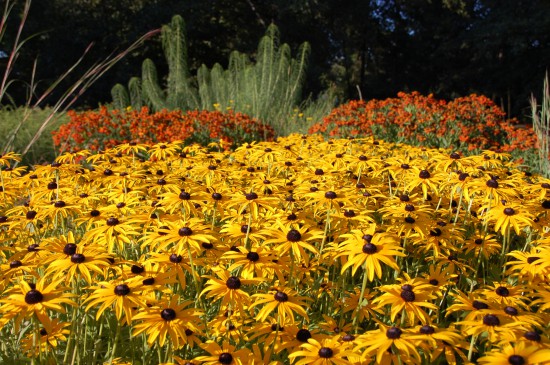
<point>328,351</point>
<point>369,251</point>
<point>168,320</point>
<point>519,353</point>
<point>284,301</point>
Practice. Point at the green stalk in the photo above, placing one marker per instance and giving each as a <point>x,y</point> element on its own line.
<point>360,302</point>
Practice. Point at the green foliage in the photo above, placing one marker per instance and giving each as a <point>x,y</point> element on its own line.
<point>268,89</point>
<point>43,149</point>
<point>541,125</point>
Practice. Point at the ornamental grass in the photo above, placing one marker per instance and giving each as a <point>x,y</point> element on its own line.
<point>299,251</point>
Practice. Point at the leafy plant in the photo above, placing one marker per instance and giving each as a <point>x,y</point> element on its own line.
<point>471,123</point>
<point>268,89</point>
<point>106,128</point>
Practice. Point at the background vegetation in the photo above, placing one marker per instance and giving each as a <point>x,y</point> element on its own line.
<point>447,47</point>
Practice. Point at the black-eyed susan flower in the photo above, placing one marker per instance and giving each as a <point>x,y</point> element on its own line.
<point>381,342</point>
<point>167,321</point>
<point>28,299</point>
<point>515,354</point>
<point>328,351</point>
<point>408,299</point>
<point>299,241</point>
<point>284,301</point>
<point>507,217</point>
<point>79,262</point>
<point>369,251</point>
<point>45,339</point>
<point>124,296</point>
<point>227,288</point>
<point>226,354</point>
<point>112,232</point>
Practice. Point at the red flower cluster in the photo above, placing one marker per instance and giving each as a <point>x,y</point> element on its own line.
<point>104,128</point>
<point>469,123</point>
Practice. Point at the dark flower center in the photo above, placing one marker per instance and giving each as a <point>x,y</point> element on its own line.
<point>367,238</point>
<point>52,185</point>
<point>349,213</point>
<point>281,296</point>
<point>59,204</point>
<point>436,232</point>
<point>95,213</point>
<point>253,256</point>
<point>369,248</point>
<point>393,333</point>
<point>410,220</point>
<point>168,314</point>
<point>15,264</point>
<point>325,352</point>
<point>463,176</point>
<point>176,259</point>
<point>120,205</point>
<point>347,337</point>
<point>492,183</point>
<point>479,305</point>
<point>69,249</point>
<point>511,311</point>
<point>276,327</point>
<point>43,332</point>
<point>532,336</point>
<point>217,196</point>
<point>491,320</point>
<point>424,174</point>
<point>404,198</point>
<point>409,208</point>
<point>233,283</point>
<point>122,290</point>
<point>427,330</point>
<point>137,269</point>
<point>532,259</point>
<point>303,335</point>
<point>245,228</point>
<point>32,247</point>
<point>148,281</point>
<point>516,360</point>
<point>185,231</point>
<point>33,296</point>
<point>502,291</point>
<point>225,358</point>
<point>408,295</point>
<point>434,282</point>
<point>78,258</point>
<point>546,204</point>
<point>31,214</point>
<point>478,241</point>
<point>184,195</point>
<point>330,195</point>
<point>251,196</point>
<point>509,211</point>
<point>455,156</point>
<point>293,235</point>
<point>319,172</point>
<point>112,221</point>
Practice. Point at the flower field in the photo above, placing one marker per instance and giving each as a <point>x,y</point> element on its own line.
<point>295,251</point>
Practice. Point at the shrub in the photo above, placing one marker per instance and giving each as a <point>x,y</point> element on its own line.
<point>106,128</point>
<point>469,123</point>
